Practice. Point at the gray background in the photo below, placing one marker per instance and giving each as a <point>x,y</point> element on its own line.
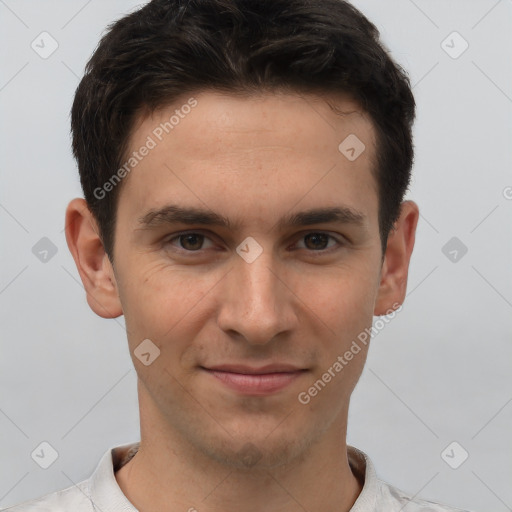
<point>438,373</point>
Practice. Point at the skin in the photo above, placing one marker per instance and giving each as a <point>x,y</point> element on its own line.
<point>252,160</point>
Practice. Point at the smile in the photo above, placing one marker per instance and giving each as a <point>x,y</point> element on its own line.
<point>255,383</point>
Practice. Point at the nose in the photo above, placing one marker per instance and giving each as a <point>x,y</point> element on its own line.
<point>257,301</point>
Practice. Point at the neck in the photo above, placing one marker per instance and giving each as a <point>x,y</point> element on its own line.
<point>168,474</point>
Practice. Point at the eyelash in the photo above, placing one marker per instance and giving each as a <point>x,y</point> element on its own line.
<point>318,252</point>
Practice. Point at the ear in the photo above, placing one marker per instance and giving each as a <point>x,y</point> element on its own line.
<point>92,262</point>
<point>395,268</point>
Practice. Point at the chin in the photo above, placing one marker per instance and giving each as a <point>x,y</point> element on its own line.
<point>257,453</point>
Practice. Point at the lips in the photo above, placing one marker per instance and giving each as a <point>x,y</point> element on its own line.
<point>255,381</point>
<point>248,370</point>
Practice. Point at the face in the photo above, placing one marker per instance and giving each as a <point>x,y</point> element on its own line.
<point>246,237</point>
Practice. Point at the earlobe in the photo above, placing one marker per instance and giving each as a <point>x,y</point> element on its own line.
<point>94,267</point>
<point>395,269</point>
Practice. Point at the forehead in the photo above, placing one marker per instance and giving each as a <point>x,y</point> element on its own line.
<point>209,117</point>
<point>273,148</point>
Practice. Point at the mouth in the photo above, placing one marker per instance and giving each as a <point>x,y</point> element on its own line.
<point>255,381</point>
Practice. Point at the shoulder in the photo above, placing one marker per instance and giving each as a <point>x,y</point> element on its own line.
<point>74,498</point>
<point>99,492</point>
<point>392,498</point>
<point>377,494</point>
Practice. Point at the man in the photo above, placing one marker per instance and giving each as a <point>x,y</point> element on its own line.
<point>244,166</point>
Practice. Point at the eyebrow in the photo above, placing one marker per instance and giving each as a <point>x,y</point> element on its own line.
<point>175,214</point>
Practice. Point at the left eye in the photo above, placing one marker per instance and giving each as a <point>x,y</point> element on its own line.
<point>318,241</point>
<point>194,242</point>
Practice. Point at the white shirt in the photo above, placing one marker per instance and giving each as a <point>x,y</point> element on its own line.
<point>101,493</point>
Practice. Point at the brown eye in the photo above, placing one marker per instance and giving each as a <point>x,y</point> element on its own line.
<point>316,241</point>
<point>188,242</point>
<point>191,242</point>
<point>319,243</point>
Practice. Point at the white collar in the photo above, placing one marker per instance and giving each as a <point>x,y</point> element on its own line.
<point>106,495</point>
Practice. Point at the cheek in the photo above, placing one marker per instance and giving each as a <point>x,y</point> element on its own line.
<point>158,298</point>
<point>342,309</point>
<point>343,299</point>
